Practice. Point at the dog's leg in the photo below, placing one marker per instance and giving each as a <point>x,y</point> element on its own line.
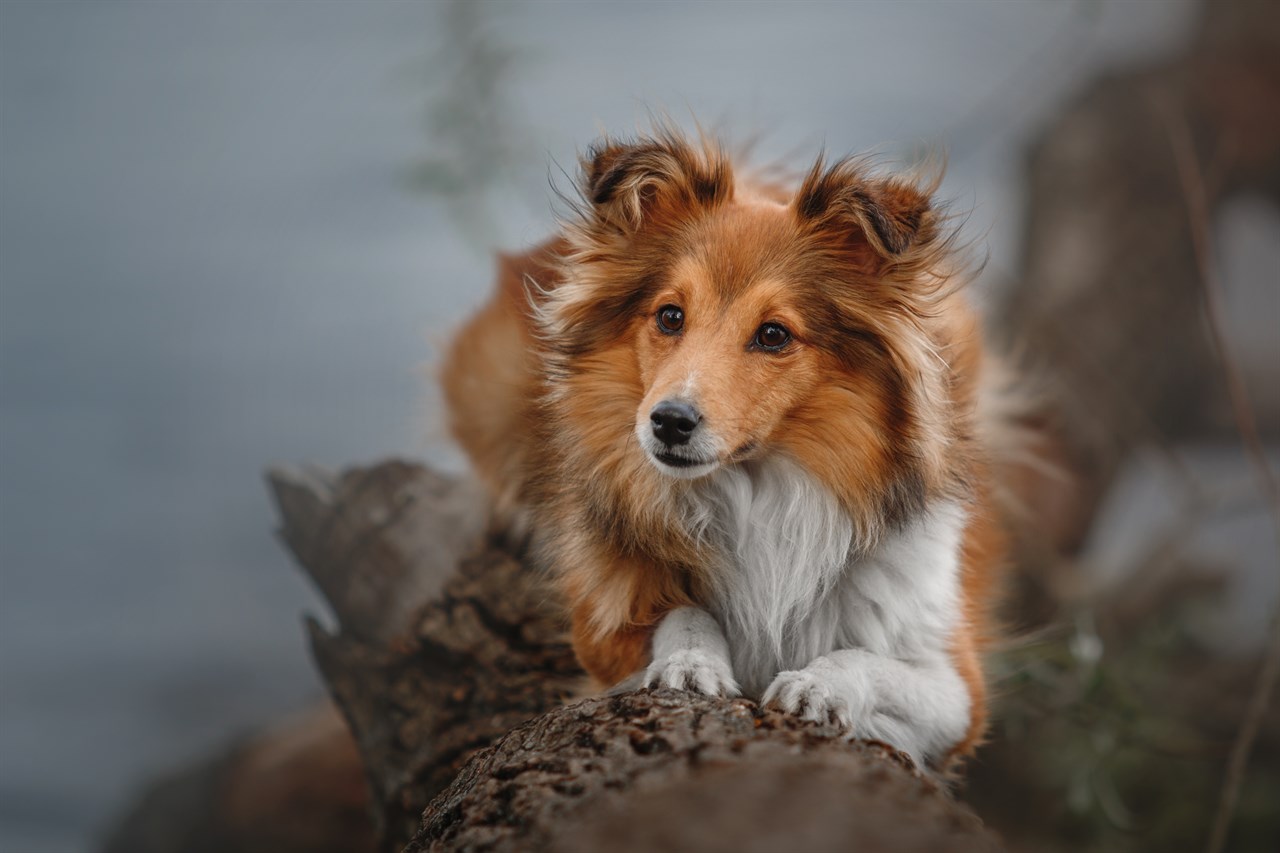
<point>691,653</point>
<point>921,708</point>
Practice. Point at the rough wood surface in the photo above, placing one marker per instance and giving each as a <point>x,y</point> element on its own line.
<point>486,660</point>
<point>485,657</point>
<point>669,770</point>
<point>377,541</point>
<point>445,641</point>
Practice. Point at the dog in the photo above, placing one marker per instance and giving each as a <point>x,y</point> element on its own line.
<point>744,423</point>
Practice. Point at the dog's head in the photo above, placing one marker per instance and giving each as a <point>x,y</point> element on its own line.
<point>712,320</point>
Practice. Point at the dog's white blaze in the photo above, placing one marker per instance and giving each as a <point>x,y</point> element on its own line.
<point>857,630</point>
<point>689,387</point>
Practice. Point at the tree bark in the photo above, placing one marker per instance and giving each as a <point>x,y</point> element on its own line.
<point>458,706</point>
<point>670,770</point>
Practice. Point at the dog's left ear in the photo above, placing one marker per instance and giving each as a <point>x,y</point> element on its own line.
<point>891,217</point>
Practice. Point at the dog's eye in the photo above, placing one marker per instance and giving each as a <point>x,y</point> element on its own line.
<point>670,319</point>
<point>771,336</point>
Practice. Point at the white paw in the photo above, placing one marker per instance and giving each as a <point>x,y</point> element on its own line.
<point>693,669</point>
<point>811,695</point>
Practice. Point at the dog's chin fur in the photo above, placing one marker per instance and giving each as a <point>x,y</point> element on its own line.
<point>840,561</point>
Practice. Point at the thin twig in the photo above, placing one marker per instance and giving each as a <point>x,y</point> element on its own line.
<point>1197,210</point>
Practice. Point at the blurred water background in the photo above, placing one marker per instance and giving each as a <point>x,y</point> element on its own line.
<point>231,232</point>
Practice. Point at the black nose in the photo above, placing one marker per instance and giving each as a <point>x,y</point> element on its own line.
<point>674,422</point>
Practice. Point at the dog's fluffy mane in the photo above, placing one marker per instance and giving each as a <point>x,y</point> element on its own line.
<point>882,262</point>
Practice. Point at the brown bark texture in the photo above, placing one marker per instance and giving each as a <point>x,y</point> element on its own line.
<point>464,717</point>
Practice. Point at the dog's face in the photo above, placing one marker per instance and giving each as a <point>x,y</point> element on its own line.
<point>724,322</point>
<point>723,350</point>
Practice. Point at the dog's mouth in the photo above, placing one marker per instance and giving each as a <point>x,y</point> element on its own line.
<point>668,458</point>
<point>682,467</point>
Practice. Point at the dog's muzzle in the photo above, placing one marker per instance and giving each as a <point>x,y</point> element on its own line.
<point>677,441</point>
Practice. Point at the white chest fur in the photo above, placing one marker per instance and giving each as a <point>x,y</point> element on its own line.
<point>794,583</point>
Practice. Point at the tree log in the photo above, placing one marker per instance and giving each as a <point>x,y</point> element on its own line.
<point>429,690</point>
<point>666,769</point>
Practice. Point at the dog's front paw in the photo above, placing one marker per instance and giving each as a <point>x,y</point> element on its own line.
<point>811,694</point>
<point>693,669</point>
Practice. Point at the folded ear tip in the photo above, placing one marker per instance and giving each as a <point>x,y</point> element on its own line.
<point>891,213</point>
<point>900,213</point>
<point>624,181</point>
<point>600,161</point>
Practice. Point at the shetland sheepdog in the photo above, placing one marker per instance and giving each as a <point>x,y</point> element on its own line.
<point>742,422</point>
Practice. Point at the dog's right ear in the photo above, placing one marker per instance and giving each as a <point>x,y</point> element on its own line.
<point>631,185</point>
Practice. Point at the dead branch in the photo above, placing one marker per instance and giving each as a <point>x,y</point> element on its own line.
<point>487,661</point>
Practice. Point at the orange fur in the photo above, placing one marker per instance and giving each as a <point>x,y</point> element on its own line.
<point>875,396</point>
<point>491,366</point>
